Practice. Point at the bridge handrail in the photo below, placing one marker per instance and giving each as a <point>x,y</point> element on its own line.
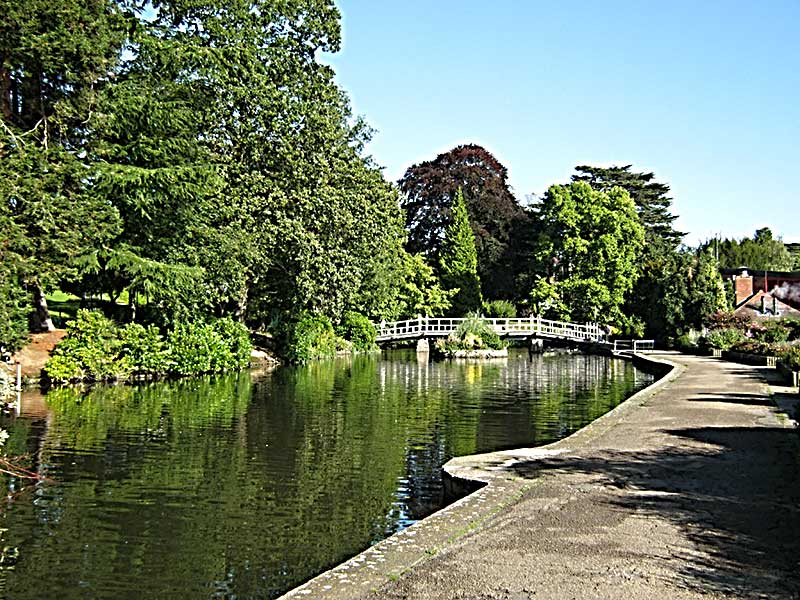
<point>446,325</point>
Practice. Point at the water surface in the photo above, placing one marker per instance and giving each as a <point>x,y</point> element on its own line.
<point>246,485</point>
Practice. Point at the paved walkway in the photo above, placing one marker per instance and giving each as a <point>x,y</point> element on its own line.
<point>688,492</point>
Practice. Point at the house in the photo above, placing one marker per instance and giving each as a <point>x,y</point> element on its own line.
<point>765,294</point>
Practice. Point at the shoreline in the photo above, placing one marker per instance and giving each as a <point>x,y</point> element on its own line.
<point>492,488</point>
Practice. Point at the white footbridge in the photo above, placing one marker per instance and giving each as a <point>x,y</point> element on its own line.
<point>527,327</point>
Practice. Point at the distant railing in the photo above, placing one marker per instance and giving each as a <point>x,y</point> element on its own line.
<point>510,327</point>
<point>633,345</point>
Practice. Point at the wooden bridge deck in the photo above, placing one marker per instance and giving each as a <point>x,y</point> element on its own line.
<point>426,327</point>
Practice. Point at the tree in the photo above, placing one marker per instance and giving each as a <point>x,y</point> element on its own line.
<point>761,252</point>
<point>706,288</point>
<point>651,198</point>
<point>428,191</point>
<point>458,261</point>
<point>587,252</point>
<point>54,57</point>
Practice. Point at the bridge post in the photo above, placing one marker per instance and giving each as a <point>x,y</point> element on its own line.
<point>423,347</point>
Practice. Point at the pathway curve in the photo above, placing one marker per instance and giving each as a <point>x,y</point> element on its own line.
<point>691,491</point>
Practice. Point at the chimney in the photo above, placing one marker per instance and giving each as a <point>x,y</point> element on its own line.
<point>744,287</point>
<point>764,305</point>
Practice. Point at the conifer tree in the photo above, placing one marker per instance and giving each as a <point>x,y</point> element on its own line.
<point>458,260</point>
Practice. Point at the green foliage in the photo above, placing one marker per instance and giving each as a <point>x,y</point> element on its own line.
<point>586,253</point>
<point>198,348</point>
<point>56,56</point>
<point>791,358</point>
<point>236,337</point>
<point>759,347</point>
<point>770,332</point>
<point>13,312</point>
<point>687,341</point>
<point>91,350</point>
<point>500,309</point>
<point>145,349</point>
<point>706,289</point>
<point>419,290</point>
<point>761,252</point>
<point>358,329</point>
<point>96,349</point>
<point>311,337</point>
<point>474,333</point>
<point>458,260</point>
<point>428,193</point>
<point>724,339</point>
<point>651,198</point>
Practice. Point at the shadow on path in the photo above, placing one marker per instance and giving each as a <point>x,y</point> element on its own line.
<point>734,492</point>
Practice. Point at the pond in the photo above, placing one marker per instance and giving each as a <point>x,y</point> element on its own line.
<point>245,485</point>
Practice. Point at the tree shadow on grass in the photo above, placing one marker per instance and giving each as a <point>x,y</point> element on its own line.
<point>733,492</point>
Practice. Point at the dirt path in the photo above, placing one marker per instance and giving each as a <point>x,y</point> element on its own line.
<point>691,492</point>
<point>34,356</point>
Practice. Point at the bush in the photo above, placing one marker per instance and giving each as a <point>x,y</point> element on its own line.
<point>724,339</point>
<point>237,337</point>
<point>472,334</point>
<point>689,340</point>
<point>198,348</point>
<point>90,350</point>
<point>500,309</point>
<point>145,349</point>
<point>758,347</point>
<point>96,349</point>
<point>771,332</point>
<point>791,358</point>
<point>311,337</point>
<point>728,320</point>
<point>359,330</point>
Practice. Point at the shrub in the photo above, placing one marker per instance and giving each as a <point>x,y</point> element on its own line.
<point>758,347</point>
<point>359,330</point>
<point>791,358</point>
<point>473,334</point>
<point>771,332</point>
<point>688,341</point>
<point>311,337</point>
<point>724,339</point>
<point>236,336</point>
<point>198,348</point>
<point>500,309</point>
<point>793,325</point>
<point>728,320</point>
<point>90,350</point>
<point>145,349</point>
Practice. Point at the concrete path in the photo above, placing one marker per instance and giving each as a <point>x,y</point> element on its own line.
<point>691,491</point>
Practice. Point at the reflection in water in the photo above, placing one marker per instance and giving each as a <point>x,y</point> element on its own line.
<point>244,487</point>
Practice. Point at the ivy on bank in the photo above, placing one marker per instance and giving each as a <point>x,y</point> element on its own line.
<point>97,349</point>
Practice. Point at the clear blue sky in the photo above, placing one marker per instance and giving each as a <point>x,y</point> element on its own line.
<point>706,94</point>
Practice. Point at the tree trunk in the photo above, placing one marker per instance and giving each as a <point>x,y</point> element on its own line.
<point>40,320</point>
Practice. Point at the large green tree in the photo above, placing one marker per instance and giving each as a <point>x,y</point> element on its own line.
<point>652,200</point>
<point>761,252</point>
<point>587,253</point>
<point>239,171</point>
<point>54,58</point>
<point>428,191</point>
<point>458,261</point>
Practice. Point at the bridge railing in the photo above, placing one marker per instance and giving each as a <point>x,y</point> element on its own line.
<point>442,327</point>
<point>633,345</point>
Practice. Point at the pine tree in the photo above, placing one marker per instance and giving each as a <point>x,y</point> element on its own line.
<point>458,260</point>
